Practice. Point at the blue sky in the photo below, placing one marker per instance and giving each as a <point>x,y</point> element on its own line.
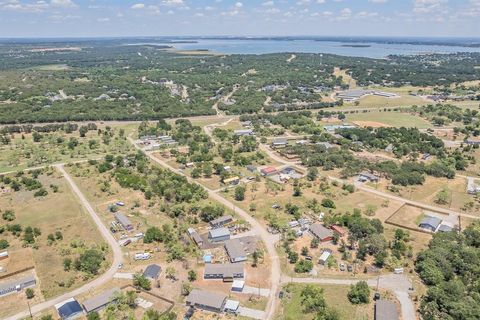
<point>76,18</point>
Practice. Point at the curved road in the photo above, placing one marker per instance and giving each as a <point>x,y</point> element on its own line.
<point>266,237</point>
<point>107,276</point>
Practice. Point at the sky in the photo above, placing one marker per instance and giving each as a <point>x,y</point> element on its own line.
<point>104,18</point>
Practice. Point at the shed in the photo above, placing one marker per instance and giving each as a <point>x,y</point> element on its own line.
<point>338,230</point>
<point>220,234</point>
<point>221,221</point>
<point>430,223</point>
<point>232,181</point>
<point>3,255</point>
<point>251,168</point>
<point>268,171</point>
<point>279,142</point>
<point>445,228</point>
<point>324,257</point>
<point>195,236</point>
<point>385,310</point>
<point>69,309</point>
<point>244,132</point>
<point>100,301</point>
<point>231,306</point>
<point>235,250</point>
<point>152,271</point>
<point>238,285</point>
<point>206,300</point>
<point>322,233</point>
<point>366,176</point>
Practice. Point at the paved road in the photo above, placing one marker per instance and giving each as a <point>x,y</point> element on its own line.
<point>267,238</point>
<point>107,276</point>
<point>399,284</point>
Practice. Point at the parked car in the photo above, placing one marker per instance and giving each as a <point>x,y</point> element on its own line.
<point>350,268</point>
<point>376,296</point>
<point>308,258</point>
<point>342,266</point>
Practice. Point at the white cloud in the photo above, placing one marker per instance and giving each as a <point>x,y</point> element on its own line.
<point>238,4</point>
<point>268,3</point>
<point>63,3</point>
<point>377,1</point>
<point>103,19</point>
<point>428,6</point>
<point>138,6</point>
<point>173,3</point>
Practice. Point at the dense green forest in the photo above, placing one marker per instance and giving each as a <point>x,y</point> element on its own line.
<point>110,80</point>
<point>450,269</point>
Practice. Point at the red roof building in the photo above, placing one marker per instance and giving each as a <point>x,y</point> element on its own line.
<point>339,230</point>
<point>268,171</point>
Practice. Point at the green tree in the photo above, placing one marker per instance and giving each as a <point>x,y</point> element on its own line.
<point>328,203</point>
<point>140,281</point>
<point>240,193</point>
<point>192,275</point>
<point>89,261</point>
<point>93,316</point>
<point>29,293</point>
<point>359,293</point>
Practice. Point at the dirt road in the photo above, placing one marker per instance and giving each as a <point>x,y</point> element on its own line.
<point>97,282</point>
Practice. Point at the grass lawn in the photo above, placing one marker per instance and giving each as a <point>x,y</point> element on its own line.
<point>59,211</point>
<point>336,298</point>
<point>393,119</point>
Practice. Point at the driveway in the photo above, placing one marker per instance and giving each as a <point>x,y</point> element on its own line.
<point>251,313</point>
<point>256,291</point>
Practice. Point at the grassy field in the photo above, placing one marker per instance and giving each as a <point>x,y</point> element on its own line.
<point>24,153</point>
<point>59,211</point>
<point>393,119</point>
<point>335,296</point>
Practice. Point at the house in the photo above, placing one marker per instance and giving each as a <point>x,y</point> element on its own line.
<point>251,168</point>
<point>69,309</point>
<point>268,171</point>
<point>238,285</point>
<point>100,301</point>
<point>195,236</point>
<point>279,142</point>
<point>3,255</point>
<point>206,300</point>
<point>124,221</point>
<point>220,234</point>
<point>338,230</point>
<point>244,132</point>
<point>324,257</point>
<point>430,223</point>
<point>385,310</point>
<point>366,176</point>
<point>221,221</point>
<point>293,224</point>
<point>389,148</point>
<point>322,233</point>
<point>17,285</point>
<point>225,271</point>
<point>152,272</point>
<point>235,250</point>
<point>142,256</point>
<point>232,181</point>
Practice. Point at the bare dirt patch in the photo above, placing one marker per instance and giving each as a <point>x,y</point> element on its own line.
<point>373,124</point>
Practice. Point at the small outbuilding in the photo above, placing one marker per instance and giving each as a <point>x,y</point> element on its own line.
<point>430,223</point>
<point>69,309</point>
<point>268,171</point>
<point>124,221</point>
<point>238,285</point>
<point>221,221</point>
<point>324,257</point>
<point>152,272</point>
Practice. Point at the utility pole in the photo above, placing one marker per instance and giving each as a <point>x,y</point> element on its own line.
<point>29,309</point>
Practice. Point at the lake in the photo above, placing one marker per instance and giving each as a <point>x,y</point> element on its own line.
<point>363,49</point>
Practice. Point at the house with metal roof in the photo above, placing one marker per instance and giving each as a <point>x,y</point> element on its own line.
<point>235,250</point>
<point>17,285</point>
<point>267,171</point>
<point>385,310</point>
<point>206,300</point>
<point>430,223</point>
<point>324,256</point>
<point>225,271</point>
<point>279,142</point>
<point>231,306</point>
<point>445,228</point>
<point>152,272</point>
<point>221,221</point>
<point>124,221</point>
<point>322,233</point>
<point>220,234</point>
<point>244,132</point>
<point>100,301</point>
<point>69,309</point>
<point>366,176</point>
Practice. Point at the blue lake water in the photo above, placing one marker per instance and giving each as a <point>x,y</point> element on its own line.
<point>375,50</point>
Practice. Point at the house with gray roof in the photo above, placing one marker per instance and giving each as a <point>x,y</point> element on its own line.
<point>195,236</point>
<point>206,300</point>
<point>152,272</point>
<point>385,310</point>
<point>17,285</point>
<point>235,250</point>
<point>124,221</point>
<point>100,301</point>
<point>279,142</point>
<point>225,271</point>
<point>220,234</point>
<point>322,233</point>
<point>430,223</point>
